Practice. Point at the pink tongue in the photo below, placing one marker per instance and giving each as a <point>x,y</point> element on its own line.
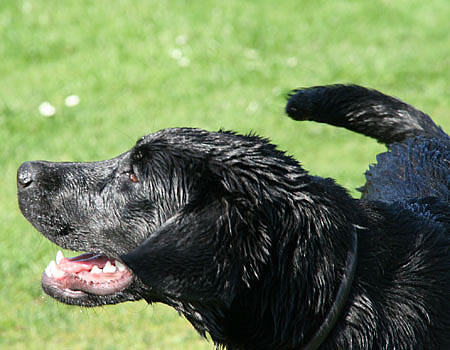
<point>83,262</point>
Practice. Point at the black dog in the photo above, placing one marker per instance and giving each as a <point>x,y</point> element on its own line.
<point>236,236</point>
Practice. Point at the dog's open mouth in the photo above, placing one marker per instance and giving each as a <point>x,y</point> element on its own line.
<point>85,274</point>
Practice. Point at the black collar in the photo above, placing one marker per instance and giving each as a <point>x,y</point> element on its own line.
<point>341,298</point>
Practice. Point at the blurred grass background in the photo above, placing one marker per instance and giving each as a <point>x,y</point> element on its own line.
<point>139,66</point>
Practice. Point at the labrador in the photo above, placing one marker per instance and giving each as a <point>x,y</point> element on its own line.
<point>247,245</point>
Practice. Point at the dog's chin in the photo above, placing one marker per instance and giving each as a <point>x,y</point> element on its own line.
<point>89,280</point>
<point>83,299</point>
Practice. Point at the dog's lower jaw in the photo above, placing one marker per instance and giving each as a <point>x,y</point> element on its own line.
<point>89,300</point>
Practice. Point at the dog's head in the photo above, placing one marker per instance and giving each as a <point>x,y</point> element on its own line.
<point>169,219</point>
<point>210,223</point>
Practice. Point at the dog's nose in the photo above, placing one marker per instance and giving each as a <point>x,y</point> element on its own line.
<point>25,175</point>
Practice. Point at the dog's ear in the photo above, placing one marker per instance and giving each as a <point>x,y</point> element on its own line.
<point>193,256</point>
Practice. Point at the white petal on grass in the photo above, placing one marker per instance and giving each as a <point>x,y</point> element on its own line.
<point>276,91</point>
<point>72,100</point>
<point>27,7</point>
<point>291,61</point>
<point>252,107</point>
<point>181,39</point>
<point>176,53</point>
<point>251,54</point>
<point>184,61</point>
<point>46,109</point>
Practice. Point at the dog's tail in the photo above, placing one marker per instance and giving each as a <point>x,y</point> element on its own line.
<point>363,110</point>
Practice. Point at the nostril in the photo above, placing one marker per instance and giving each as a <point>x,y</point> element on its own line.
<point>25,175</point>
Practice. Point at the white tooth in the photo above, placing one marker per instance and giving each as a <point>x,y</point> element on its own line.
<point>53,271</point>
<point>59,273</point>
<point>59,256</point>
<point>96,269</point>
<point>109,268</point>
<point>50,270</point>
<point>119,265</point>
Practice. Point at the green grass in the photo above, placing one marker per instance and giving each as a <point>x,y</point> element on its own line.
<point>139,66</point>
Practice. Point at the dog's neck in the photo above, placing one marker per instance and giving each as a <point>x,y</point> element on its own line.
<point>341,298</point>
<point>314,285</point>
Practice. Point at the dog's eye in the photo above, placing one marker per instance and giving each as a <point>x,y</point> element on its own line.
<point>133,178</point>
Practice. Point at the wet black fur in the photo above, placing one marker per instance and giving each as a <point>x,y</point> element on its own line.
<point>249,247</point>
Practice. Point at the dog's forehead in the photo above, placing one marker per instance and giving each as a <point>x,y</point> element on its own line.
<point>174,135</point>
<point>180,142</point>
<point>189,139</point>
<point>222,146</point>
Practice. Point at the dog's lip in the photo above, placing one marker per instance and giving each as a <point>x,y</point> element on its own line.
<point>86,274</point>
